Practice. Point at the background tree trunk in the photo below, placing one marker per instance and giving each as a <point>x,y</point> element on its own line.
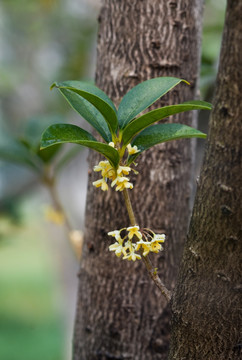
<point>120,313</point>
<point>206,302</point>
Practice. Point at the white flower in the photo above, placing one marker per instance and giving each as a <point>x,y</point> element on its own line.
<point>130,255</point>
<point>118,248</point>
<point>116,234</point>
<point>101,183</point>
<point>134,230</point>
<point>106,169</point>
<point>132,149</point>
<point>159,237</point>
<point>122,183</point>
<point>145,245</point>
<point>123,170</point>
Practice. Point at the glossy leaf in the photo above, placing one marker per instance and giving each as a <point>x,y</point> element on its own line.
<point>160,133</point>
<point>88,112</point>
<point>142,96</point>
<point>66,133</point>
<point>86,99</point>
<point>151,117</point>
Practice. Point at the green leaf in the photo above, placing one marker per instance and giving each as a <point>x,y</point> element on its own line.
<point>160,133</point>
<point>149,118</point>
<point>142,96</point>
<point>66,133</point>
<point>88,112</point>
<point>86,99</point>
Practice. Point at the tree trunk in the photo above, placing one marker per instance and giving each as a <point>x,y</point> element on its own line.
<point>120,313</point>
<point>207,297</point>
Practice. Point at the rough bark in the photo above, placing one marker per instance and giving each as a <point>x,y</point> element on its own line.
<point>206,315</point>
<point>120,313</point>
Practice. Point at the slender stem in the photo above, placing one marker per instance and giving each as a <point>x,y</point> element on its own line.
<point>151,270</point>
<point>155,277</point>
<point>129,207</point>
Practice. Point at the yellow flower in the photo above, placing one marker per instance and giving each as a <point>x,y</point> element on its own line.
<point>106,169</point>
<point>118,248</point>
<point>116,234</point>
<point>119,179</point>
<point>134,230</point>
<point>123,170</point>
<point>155,245</point>
<point>122,183</point>
<point>159,237</point>
<point>101,183</point>
<point>132,149</point>
<point>118,245</point>
<point>145,245</point>
<point>117,176</point>
<point>131,255</point>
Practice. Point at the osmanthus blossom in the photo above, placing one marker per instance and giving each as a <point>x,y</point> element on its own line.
<point>131,255</point>
<point>132,149</point>
<point>101,183</point>
<point>134,231</point>
<point>128,241</point>
<point>118,248</point>
<point>117,176</point>
<point>153,245</point>
<point>129,248</point>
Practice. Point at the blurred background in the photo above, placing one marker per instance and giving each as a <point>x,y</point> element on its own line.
<point>42,41</point>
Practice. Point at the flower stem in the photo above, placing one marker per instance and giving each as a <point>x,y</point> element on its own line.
<point>155,277</point>
<point>151,270</point>
<point>129,207</point>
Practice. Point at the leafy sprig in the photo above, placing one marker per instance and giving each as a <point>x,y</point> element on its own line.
<point>124,126</point>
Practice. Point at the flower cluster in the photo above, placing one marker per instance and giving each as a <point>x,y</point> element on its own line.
<point>117,176</point>
<point>124,245</point>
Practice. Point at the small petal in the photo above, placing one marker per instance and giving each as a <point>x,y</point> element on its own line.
<point>101,165</point>
<point>101,183</point>
<point>159,237</point>
<point>119,180</point>
<point>123,170</point>
<point>145,245</point>
<point>132,149</point>
<point>116,234</point>
<point>134,230</point>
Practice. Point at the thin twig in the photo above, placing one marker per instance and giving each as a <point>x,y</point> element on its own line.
<point>155,277</point>
<point>129,207</point>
